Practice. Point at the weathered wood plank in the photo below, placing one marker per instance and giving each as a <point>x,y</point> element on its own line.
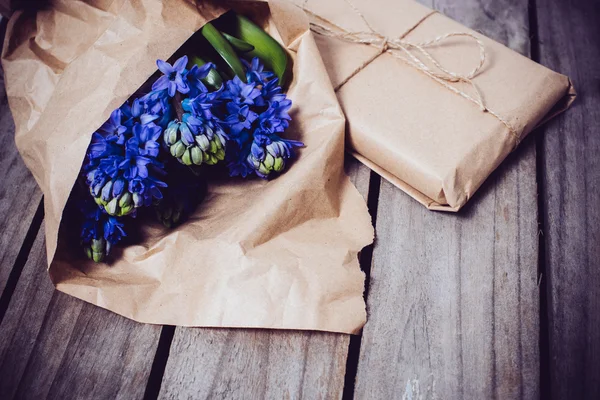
<point>453,299</point>
<point>254,364</point>
<point>19,193</point>
<point>54,345</point>
<point>569,35</point>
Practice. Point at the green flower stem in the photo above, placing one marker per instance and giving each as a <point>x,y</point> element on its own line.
<point>176,103</point>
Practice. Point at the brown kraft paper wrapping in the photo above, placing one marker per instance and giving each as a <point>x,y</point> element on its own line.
<point>426,139</point>
<point>277,254</point>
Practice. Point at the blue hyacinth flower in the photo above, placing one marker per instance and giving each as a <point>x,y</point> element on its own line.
<point>139,111</point>
<point>269,152</point>
<point>276,118</point>
<point>194,77</point>
<point>99,231</point>
<point>173,79</point>
<point>242,93</point>
<point>110,168</point>
<point>255,72</point>
<point>113,129</point>
<point>240,117</point>
<point>145,138</point>
<point>203,104</point>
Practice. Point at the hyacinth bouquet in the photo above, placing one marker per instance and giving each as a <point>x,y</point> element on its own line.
<point>220,106</point>
<point>182,174</point>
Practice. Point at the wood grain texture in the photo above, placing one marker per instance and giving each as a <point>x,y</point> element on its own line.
<point>255,364</point>
<point>56,346</point>
<point>19,193</point>
<point>453,298</point>
<point>569,34</point>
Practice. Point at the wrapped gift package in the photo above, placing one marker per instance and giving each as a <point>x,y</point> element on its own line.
<point>431,105</point>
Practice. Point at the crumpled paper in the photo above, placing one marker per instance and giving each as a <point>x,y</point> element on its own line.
<point>424,138</point>
<point>269,254</point>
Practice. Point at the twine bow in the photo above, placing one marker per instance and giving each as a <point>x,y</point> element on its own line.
<point>410,53</point>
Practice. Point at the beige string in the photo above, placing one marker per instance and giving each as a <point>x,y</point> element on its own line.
<point>409,53</point>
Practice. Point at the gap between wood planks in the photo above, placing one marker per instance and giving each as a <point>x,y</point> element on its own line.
<point>160,362</point>
<point>544,341</point>
<point>21,259</point>
<point>366,258</point>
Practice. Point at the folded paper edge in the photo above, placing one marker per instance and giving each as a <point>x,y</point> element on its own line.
<point>405,187</point>
<point>563,104</point>
<point>66,288</point>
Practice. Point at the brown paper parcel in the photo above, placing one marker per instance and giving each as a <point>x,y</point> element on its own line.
<point>277,254</point>
<point>414,130</point>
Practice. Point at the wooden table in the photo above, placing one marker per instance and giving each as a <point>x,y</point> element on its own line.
<point>501,300</point>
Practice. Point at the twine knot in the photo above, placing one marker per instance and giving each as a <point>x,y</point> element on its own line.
<point>384,45</point>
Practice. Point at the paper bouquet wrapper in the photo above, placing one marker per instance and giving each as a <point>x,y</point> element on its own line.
<point>418,132</point>
<point>261,254</point>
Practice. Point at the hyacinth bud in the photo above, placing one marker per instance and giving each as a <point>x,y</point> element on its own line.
<point>197,156</point>
<point>268,154</point>
<point>177,149</point>
<point>137,200</point>
<point>184,192</point>
<point>266,161</point>
<point>114,204</point>
<point>195,143</point>
<point>99,232</point>
<point>107,191</point>
<point>170,134</point>
<point>180,200</point>
<point>186,158</point>
<point>169,215</point>
<point>268,165</point>
<point>97,249</point>
<point>112,207</point>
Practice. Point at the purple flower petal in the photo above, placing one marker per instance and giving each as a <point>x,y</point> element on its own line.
<point>180,64</point>
<point>147,118</point>
<point>164,67</point>
<point>152,149</point>
<point>136,108</point>
<point>115,117</point>
<point>204,70</point>
<point>161,83</point>
<point>142,170</point>
<point>251,116</point>
<point>193,121</point>
<point>182,87</point>
<point>186,134</point>
<point>172,88</point>
<point>154,132</point>
<point>131,172</point>
<point>257,151</point>
<point>118,187</point>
